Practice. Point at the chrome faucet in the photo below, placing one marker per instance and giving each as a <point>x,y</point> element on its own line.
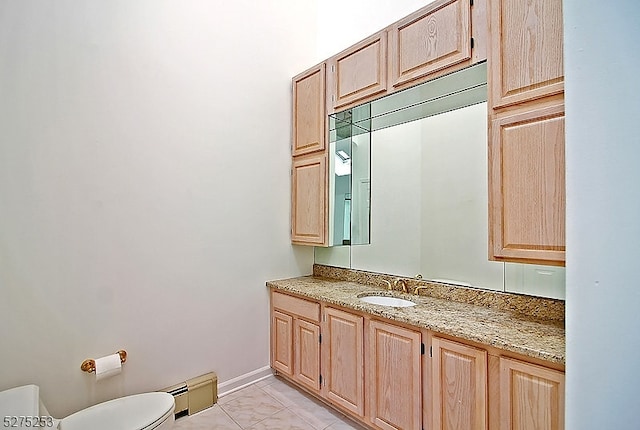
<point>402,283</point>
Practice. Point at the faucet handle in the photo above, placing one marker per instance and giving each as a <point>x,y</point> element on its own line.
<point>420,287</point>
<point>401,282</point>
<point>388,284</point>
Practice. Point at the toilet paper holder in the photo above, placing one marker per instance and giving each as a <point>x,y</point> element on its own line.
<point>89,365</point>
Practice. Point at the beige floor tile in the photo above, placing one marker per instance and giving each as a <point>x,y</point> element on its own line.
<point>266,381</point>
<point>237,394</point>
<point>269,404</point>
<point>212,418</point>
<point>283,420</point>
<point>285,393</point>
<point>315,413</point>
<point>345,424</point>
<point>252,407</point>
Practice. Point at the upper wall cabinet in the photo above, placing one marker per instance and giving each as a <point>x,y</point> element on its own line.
<point>309,180</point>
<point>431,42</point>
<point>440,38</point>
<point>309,111</point>
<point>526,132</point>
<point>431,39</point>
<point>359,72</point>
<point>525,50</point>
<point>527,193</point>
<point>309,199</point>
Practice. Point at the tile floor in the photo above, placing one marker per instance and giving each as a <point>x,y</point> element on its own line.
<point>267,404</point>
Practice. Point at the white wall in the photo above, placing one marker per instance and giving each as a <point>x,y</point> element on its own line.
<point>603,215</point>
<point>144,188</point>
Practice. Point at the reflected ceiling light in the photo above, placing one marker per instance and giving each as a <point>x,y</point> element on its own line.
<point>343,167</point>
<point>343,156</point>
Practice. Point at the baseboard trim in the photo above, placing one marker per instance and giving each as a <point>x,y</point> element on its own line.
<point>237,383</point>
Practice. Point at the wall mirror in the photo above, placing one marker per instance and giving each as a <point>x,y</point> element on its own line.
<point>415,199</point>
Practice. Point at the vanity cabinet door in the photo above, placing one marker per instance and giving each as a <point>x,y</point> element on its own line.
<point>431,39</point>
<point>525,51</point>
<point>359,72</point>
<point>309,111</point>
<point>343,360</point>
<point>282,342</point>
<point>306,341</point>
<point>458,386</point>
<point>309,216</point>
<point>527,186</point>
<point>394,377</point>
<point>531,396</point>
<point>295,339</point>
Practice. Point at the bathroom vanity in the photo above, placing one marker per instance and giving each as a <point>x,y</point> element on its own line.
<point>460,358</point>
<point>481,203</point>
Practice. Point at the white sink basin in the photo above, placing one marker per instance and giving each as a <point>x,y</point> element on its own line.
<point>395,302</point>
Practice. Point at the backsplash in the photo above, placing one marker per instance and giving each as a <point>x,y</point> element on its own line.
<point>537,307</point>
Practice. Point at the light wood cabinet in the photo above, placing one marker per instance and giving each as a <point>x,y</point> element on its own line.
<point>309,180</point>
<point>458,387</point>
<point>343,360</point>
<point>431,39</point>
<point>526,132</point>
<point>525,51</point>
<point>531,396</point>
<point>309,111</point>
<point>282,342</point>
<point>359,72</point>
<point>394,376</point>
<point>378,373</point>
<point>309,207</point>
<point>295,339</point>
<point>527,186</point>
<point>306,341</point>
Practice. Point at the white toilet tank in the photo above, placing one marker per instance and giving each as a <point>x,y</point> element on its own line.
<point>18,406</point>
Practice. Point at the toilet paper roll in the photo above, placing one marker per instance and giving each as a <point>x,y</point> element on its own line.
<point>108,366</point>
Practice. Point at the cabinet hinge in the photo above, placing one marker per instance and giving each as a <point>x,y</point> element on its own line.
<point>320,380</point>
<point>472,43</point>
<point>320,339</point>
<point>422,348</point>
<point>471,2</point>
<point>431,351</point>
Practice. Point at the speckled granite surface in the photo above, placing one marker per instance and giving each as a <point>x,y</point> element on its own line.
<point>537,307</point>
<point>504,329</point>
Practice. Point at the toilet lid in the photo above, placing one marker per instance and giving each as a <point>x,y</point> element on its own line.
<point>138,412</point>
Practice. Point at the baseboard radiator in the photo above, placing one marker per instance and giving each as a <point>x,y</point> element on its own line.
<point>194,395</point>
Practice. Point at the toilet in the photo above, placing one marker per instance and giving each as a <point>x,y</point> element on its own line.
<point>147,411</point>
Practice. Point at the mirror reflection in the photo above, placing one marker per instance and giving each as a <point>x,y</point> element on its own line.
<point>415,199</point>
<point>350,173</point>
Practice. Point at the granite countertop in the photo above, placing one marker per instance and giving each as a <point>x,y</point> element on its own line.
<point>503,329</point>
